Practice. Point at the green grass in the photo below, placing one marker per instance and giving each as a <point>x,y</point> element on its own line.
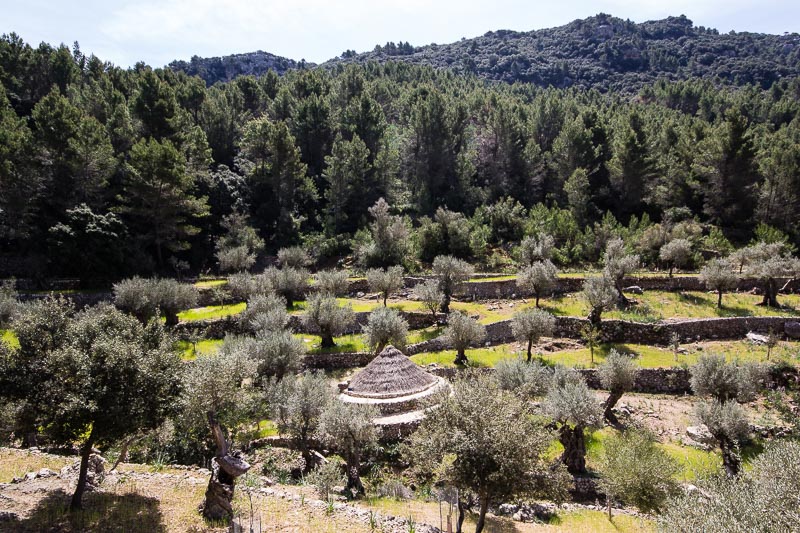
<point>344,343</point>
<point>203,347</point>
<point>267,428</point>
<point>211,312</point>
<point>658,305</point>
<point>8,336</point>
<point>646,356</point>
<point>209,283</point>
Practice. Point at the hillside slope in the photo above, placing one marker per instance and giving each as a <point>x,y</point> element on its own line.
<point>601,52</point>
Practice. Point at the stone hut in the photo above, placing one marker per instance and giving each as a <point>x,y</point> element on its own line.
<point>400,389</point>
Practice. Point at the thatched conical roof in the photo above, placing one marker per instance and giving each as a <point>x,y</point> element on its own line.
<point>390,375</point>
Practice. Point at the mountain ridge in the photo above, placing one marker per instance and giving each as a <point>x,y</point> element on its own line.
<point>600,52</point>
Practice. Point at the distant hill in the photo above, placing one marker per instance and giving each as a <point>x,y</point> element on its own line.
<point>214,69</point>
<point>601,52</point>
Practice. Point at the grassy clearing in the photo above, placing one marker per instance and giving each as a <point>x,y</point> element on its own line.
<point>17,463</point>
<point>210,283</point>
<point>204,347</point>
<point>211,312</point>
<point>659,305</point>
<point>355,342</point>
<point>8,336</point>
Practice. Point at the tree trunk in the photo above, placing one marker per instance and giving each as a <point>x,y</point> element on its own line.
<point>225,468</point>
<point>730,459</point>
<point>719,299</point>
<point>77,496</point>
<point>171,318</point>
<point>482,515</point>
<point>446,302</point>
<point>670,270</point>
<point>537,299</point>
<point>462,514</point>
<point>609,404</point>
<point>770,294</point>
<point>354,485</point>
<point>595,316</point>
<point>530,345</point>
<point>385,297</point>
<point>574,456</point>
<point>327,340</point>
<point>461,357</point>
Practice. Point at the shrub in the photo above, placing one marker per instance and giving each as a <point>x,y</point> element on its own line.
<point>449,233</point>
<point>8,301</point>
<point>325,477</point>
<point>387,244</point>
<point>265,313</point>
<point>462,332</point>
<point>636,471</point>
<point>294,257</point>
<point>505,218</point>
<point>243,286</point>
<point>535,248</point>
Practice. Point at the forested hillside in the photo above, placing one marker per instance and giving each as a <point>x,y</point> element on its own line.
<point>600,52</point>
<point>106,172</point>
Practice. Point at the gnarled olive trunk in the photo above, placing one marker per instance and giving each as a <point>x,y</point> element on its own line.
<point>730,457</point>
<point>608,405</point>
<point>461,357</point>
<point>530,346</point>
<point>595,316</point>
<point>354,485</point>
<point>574,456</point>
<point>446,301</point>
<point>225,468</point>
<point>326,338</point>
<point>770,298</point>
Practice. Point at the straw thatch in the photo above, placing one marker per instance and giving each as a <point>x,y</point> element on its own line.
<point>390,375</point>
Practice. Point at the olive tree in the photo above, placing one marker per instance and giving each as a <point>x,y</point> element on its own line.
<point>144,298</point>
<point>535,248</point>
<point>676,253</point>
<point>218,392</point>
<point>265,313</point>
<point>294,257</point>
<point>726,384</point>
<point>349,429</point>
<point>243,286</point>
<point>385,281</point>
<point>524,379</point>
<point>617,265</point>
<point>297,405</point>
<point>600,294</point>
<point>332,282</point>
<point>289,282</point>
<point>718,276</point>
<point>325,314</point>
<point>385,326</point>
<point>636,471</point>
<point>617,375</point>
<point>529,325</point>
<point>573,408</point>
<point>93,378</point>
<point>431,296</point>
<point>761,498</point>
<point>451,272</point>
<point>538,279</point>
<point>768,263</point>
<point>277,353</point>
<point>461,333</point>
<point>484,441</point>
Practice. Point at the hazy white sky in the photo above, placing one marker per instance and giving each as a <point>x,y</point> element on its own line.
<point>158,31</point>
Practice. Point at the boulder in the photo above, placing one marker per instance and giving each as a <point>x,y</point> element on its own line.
<point>633,289</point>
<point>700,434</point>
<point>757,338</point>
<point>792,329</point>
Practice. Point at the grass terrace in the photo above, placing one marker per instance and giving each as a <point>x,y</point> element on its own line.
<point>8,336</point>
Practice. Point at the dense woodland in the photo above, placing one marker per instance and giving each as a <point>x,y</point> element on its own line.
<point>107,172</point>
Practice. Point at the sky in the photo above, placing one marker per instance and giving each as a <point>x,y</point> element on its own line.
<point>159,31</point>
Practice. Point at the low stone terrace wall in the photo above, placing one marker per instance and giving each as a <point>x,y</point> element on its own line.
<point>636,332</point>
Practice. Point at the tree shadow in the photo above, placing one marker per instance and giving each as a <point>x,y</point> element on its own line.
<point>129,512</point>
<point>725,311</point>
